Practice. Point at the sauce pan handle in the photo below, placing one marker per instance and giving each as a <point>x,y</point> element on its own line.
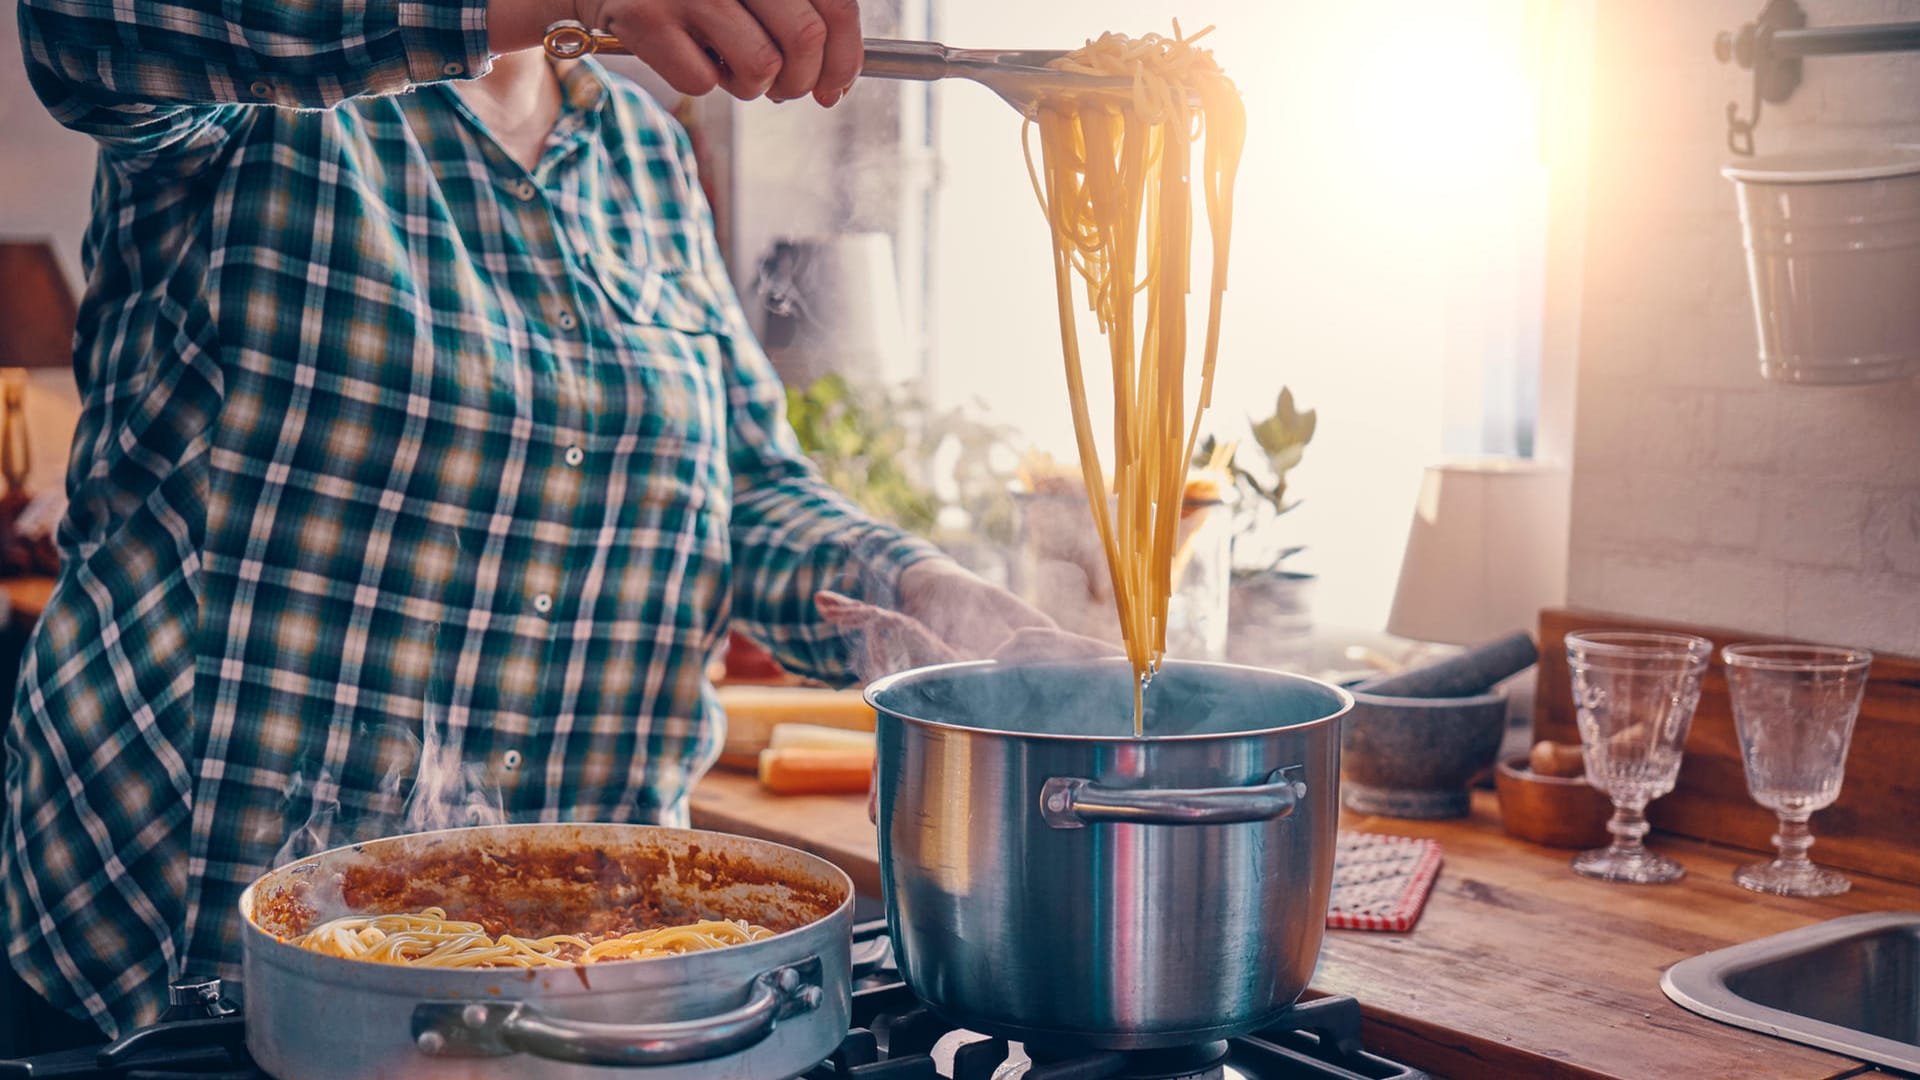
<point>499,1028</point>
<point>1071,803</point>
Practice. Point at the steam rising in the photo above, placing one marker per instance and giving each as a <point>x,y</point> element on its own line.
<point>426,786</point>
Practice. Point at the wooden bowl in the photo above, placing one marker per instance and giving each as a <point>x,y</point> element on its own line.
<point>1556,811</point>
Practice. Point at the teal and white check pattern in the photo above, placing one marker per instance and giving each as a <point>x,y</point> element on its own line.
<point>381,433</point>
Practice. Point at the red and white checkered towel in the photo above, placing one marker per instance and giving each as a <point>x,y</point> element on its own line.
<point>1381,882</point>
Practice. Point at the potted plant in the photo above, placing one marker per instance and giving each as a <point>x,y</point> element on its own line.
<point>1270,605</point>
<point>940,473</point>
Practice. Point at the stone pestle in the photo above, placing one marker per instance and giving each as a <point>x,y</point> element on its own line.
<point>1472,672</point>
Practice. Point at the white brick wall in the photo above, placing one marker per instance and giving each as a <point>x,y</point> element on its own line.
<point>1702,493</point>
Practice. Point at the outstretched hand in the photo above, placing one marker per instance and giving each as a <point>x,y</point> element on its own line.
<point>946,614</point>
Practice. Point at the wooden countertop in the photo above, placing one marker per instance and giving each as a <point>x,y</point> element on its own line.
<point>1517,968</point>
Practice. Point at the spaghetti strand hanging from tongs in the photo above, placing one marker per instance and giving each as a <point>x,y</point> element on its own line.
<point>1110,164</point>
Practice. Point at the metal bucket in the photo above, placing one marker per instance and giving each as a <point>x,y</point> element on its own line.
<point>1048,877</point>
<point>768,1008</point>
<point>1833,257</point>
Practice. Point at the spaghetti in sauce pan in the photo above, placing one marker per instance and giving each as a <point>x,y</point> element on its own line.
<point>558,895</point>
<point>775,1004</point>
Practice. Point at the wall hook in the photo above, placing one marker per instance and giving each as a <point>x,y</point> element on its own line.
<point>1773,44</point>
<point>1775,77</point>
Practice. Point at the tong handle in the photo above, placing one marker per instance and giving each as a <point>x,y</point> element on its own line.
<point>886,58</point>
<point>570,40</point>
<point>915,60</point>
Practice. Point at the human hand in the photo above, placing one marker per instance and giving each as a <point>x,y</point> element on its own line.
<point>987,621</point>
<point>948,613</point>
<point>782,49</point>
<point>974,617</point>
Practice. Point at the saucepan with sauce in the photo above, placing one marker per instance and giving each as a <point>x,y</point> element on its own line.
<point>1051,877</point>
<point>775,1006</point>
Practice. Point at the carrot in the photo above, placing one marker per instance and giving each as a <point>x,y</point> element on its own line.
<point>818,737</point>
<point>816,771</point>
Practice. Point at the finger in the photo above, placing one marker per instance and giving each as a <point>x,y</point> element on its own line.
<point>840,59</point>
<point>677,58</point>
<point>899,646</point>
<point>801,35</point>
<point>843,611</point>
<point>889,641</point>
<point>750,58</point>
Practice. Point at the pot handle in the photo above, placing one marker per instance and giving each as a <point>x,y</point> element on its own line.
<point>1071,802</point>
<point>500,1028</point>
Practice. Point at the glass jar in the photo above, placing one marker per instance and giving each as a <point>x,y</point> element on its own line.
<point>1060,567</point>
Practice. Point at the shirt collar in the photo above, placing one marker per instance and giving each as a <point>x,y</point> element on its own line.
<point>583,84</point>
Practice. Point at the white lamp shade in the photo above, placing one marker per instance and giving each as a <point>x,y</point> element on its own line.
<point>1486,551</point>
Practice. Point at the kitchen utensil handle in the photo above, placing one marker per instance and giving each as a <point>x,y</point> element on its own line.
<point>499,1028</point>
<point>918,60</point>
<point>569,39</point>
<point>885,58</point>
<point>1072,803</point>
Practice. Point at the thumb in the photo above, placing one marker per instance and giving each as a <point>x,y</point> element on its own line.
<point>842,610</point>
<point>889,641</point>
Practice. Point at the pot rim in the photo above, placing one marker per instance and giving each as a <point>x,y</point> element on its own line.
<point>1829,165</point>
<point>557,980</point>
<point>1428,704</point>
<point>880,686</point>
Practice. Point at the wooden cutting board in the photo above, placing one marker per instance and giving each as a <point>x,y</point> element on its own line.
<point>1872,826</point>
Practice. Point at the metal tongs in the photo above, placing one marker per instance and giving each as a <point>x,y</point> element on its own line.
<point>1019,76</point>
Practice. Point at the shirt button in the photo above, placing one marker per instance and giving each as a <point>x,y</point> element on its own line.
<point>525,191</point>
<point>453,69</point>
<point>511,759</point>
<point>262,88</point>
<point>543,603</point>
<point>567,319</point>
<point>575,456</point>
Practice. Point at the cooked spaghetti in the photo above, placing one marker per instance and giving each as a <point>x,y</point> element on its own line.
<point>429,939</point>
<point>1110,162</point>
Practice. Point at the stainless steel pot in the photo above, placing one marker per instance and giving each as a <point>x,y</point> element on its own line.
<point>770,1008</point>
<point>1050,877</point>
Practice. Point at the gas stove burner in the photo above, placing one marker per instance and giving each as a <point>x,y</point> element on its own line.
<point>1205,1061</point>
<point>894,1036</point>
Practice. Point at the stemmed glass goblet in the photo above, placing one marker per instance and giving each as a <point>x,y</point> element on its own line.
<point>1634,694</point>
<point>1794,708</point>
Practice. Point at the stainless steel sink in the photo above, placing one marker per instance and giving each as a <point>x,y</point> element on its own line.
<point>1851,985</point>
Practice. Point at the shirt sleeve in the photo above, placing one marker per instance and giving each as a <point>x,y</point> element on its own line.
<point>148,77</point>
<point>792,534</point>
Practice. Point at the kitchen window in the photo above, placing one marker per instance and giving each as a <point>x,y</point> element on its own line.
<point>1391,237</point>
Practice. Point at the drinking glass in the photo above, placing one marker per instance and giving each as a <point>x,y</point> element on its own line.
<point>1794,707</point>
<point>1634,694</point>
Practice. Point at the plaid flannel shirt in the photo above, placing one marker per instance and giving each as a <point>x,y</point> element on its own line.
<point>386,440</point>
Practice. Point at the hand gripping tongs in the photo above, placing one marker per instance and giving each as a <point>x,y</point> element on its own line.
<point>1019,76</point>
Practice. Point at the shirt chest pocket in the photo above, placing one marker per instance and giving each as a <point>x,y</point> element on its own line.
<point>664,369</point>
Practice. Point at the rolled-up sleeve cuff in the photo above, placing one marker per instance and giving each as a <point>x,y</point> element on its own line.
<point>444,39</point>
<point>877,558</point>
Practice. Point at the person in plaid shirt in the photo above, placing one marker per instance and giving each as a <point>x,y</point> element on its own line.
<point>417,404</point>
